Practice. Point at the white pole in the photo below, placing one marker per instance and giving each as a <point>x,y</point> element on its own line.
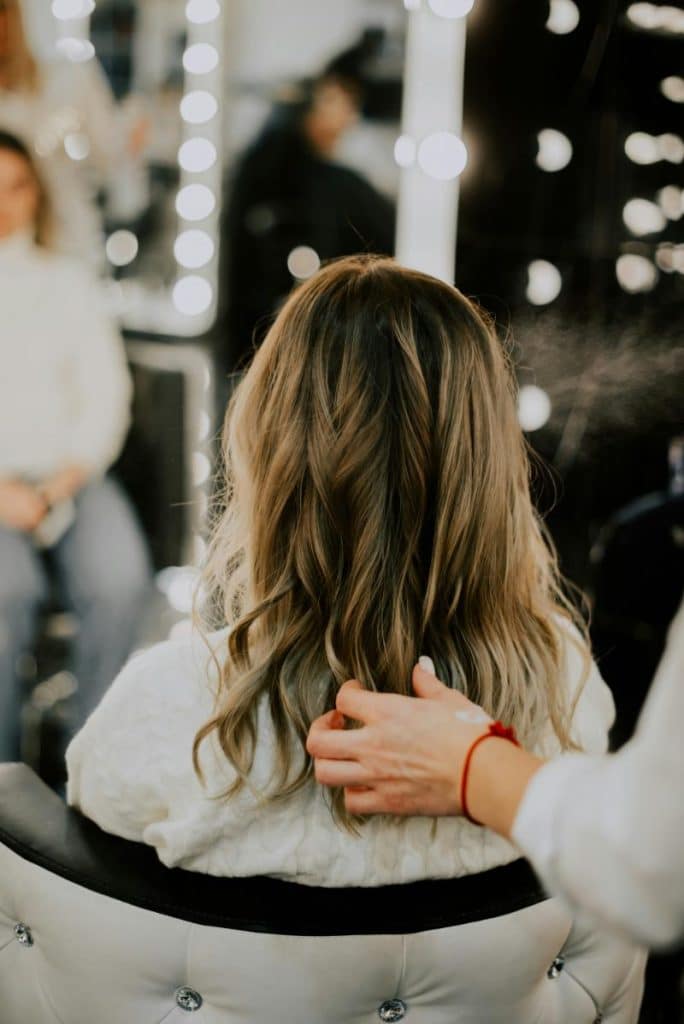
<point>431,151</point>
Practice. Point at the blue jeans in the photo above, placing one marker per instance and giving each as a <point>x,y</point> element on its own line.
<point>103,573</point>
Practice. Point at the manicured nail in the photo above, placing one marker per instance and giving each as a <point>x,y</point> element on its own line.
<point>427,664</point>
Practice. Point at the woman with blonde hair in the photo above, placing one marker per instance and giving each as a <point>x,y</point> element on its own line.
<point>377,508</point>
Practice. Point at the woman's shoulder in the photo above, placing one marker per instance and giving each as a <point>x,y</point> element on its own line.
<point>176,671</point>
<point>587,695</point>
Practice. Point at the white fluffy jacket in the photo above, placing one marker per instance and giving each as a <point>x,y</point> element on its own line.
<point>130,771</point>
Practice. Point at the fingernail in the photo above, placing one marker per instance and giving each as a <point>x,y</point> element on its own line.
<point>427,664</point>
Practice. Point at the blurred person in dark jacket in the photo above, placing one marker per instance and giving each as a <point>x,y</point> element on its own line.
<point>289,194</point>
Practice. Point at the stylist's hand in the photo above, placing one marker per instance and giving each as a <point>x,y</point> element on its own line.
<point>406,756</point>
<point>21,506</point>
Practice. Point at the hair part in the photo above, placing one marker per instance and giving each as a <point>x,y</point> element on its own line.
<point>378,507</point>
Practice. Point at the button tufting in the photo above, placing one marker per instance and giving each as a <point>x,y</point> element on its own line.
<point>23,934</point>
<point>392,1010</point>
<point>556,967</point>
<point>188,999</point>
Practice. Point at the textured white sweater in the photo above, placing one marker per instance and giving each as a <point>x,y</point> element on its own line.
<point>130,771</point>
<point>64,385</point>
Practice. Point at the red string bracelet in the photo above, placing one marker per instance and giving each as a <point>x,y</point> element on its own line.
<point>495,729</point>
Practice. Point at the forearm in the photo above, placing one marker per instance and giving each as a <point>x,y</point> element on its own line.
<point>498,777</point>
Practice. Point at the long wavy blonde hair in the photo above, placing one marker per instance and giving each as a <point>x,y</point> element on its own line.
<point>378,507</point>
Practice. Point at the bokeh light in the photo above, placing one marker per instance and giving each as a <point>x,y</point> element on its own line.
<point>405,151</point>
<point>544,282</point>
<point>534,407</point>
<point>635,273</point>
<point>195,202</point>
<point>200,59</point>
<point>643,217</point>
<point>197,155</point>
<point>555,150</point>
<point>303,262</point>
<point>563,17</point>
<point>66,10</point>
<point>192,295</point>
<point>672,88</point>
<point>198,107</point>
<point>77,145</point>
<point>201,12</point>
<point>451,8</point>
<point>78,51</point>
<point>194,249</point>
<point>442,156</point>
<point>121,248</point>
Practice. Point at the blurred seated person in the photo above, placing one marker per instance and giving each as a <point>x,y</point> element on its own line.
<point>66,110</point>
<point>288,192</point>
<point>64,412</point>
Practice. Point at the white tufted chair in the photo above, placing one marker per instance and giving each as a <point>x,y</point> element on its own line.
<point>94,930</point>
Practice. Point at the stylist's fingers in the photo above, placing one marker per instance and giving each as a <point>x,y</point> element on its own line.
<point>341,773</point>
<point>425,682</point>
<point>326,725</point>
<point>364,801</point>
<point>362,705</point>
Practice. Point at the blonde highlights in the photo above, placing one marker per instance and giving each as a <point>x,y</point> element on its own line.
<point>378,508</point>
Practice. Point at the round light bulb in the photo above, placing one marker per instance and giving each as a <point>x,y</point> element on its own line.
<point>192,295</point>
<point>642,148</point>
<point>544,282</point>
<point>77,146</point>
<point>303,262</point>
<point>405,151</point>
<point>197,155</point>
<point>534,407</point>
<point>672,88</point>
<point>77,51</point>
<point>555,150</point>
<point>67,10</point>
<point>200,59</point>
<point>193,249</point>
<point>195,202</point>
<point>201,12</point>
<point>121,248</point>
<point>451,8</point>
<point>671,201</point>
<point>442,156</point>
<point>198,107</point>
<point>563,17</point>
<point>635,273</point>
<point>671,148</point>
<point>643,217</point>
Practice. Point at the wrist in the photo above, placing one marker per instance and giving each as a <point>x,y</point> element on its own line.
<point>498,778</point>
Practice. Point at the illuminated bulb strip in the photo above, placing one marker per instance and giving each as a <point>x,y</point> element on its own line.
<point>430,150</point>
<point>195,291</point>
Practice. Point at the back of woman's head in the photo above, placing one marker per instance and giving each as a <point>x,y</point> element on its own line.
<point>378,508</point>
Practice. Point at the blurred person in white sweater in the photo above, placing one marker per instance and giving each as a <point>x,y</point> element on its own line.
<point>64,413</point>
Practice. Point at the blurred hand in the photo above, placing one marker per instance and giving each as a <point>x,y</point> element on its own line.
<point>64,484</point>
<point>406,758</point>
<point>21,506</point>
